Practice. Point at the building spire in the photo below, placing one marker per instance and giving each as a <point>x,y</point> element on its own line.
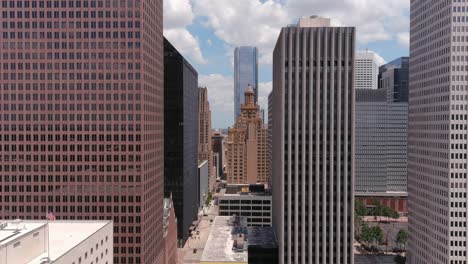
<point>249,95</point>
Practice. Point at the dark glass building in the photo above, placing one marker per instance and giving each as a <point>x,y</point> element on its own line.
<point>181,138</point>
<point>245,73</point>
<point>396,71</point>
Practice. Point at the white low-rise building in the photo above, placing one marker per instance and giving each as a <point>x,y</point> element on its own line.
<point>250,201</point>
<point>58,242</point>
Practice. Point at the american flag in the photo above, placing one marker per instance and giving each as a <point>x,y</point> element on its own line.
<point>50,216</point>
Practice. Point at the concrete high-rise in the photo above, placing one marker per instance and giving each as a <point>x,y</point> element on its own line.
<point>181,138</point>
<point>82,131</point>
<point>381,131</point>
<point>437,136</point>
<point>245,74</point>
<point>366,70</point>
<point>204,134</point>
<point>313,142</point>
<point>247,145</point>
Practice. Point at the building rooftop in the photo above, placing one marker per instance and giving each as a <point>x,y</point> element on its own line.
<point>63,235</point>
<point>261,237</point>
<point>226,242</point>
<point>244,189</point>
<point>314,21</point>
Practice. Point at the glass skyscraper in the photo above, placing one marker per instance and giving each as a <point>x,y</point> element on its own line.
<point>245,73</point>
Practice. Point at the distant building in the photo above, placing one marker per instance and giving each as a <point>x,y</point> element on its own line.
<point>381,133</point>
<point>216,164</point>
<point>203,187</point>
<point>366,70</point>
<point>250,201</point>
<point>170,232</point>
<point>263,247</point>
<point>218,139</point>
<point>180,137</point>
<point>313,135</point>
<point>247,146</point>
<point>245,74</point>
<point>58,242</point>
<point>204,134</point>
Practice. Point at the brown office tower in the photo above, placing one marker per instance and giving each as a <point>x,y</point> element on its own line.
<point>81,128</point>
<point>204,134</point>
<point>313,142</point>
<point>247,145</point>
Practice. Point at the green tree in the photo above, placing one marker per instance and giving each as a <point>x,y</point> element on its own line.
<point>402,238</point>
<point>377,233</point>
<point>360,208</point>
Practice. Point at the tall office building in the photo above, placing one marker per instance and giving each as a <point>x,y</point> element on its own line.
<point>217,139</point>
<point>437,132</point>
<point>366,70</point>
<point>247,145</point>
<point>181,138</point>
<point>204,134</point>
<point>245,74</point>
<point>82,117</point>
<point>313,135</point>
<point>381,132</point>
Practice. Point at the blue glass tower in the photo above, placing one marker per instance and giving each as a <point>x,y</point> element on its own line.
<point>245,73</point>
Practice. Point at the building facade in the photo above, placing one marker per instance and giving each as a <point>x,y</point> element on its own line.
<point>61,242</point>
<point>180,137</point>
<point>205,151</point>
<point>217,139</point>
<point>247,146</point>
<point>437,135</point>
<point>366,70</point>
<point>203,177</point>
<point>252,203</point>
<point>313,135</point>
<point>170,232</point>
<point>381,134</point>
<point>82,117</point>
<point>245,74</point>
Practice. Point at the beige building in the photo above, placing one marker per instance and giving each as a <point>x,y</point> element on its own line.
<point>247,145</point>
<point>204,133</point>
<point>58,242</point>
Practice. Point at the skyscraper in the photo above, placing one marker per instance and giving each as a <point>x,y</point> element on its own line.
<point>181,138</point>
<point>82,117</point>
<point>366,69</point>
<point>245,74</point>
<point>204,134</point>
<point>437,136</point>
<point>313,149</point>
<point>381,131</point>
<point>218,139</point>
<point>247,145</point>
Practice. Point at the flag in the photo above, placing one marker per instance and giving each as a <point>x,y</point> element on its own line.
<point>50,216</point>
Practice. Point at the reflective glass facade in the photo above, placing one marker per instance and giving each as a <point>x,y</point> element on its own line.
<point>245,73</point>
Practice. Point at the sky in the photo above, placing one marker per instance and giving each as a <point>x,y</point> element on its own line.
<point>207,31</point>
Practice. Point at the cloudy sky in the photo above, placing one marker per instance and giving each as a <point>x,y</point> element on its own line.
<point>206,32</point>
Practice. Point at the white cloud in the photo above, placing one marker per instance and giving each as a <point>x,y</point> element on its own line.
<point>403,38</point>
<point>374,20</point>
<point>244,22</point>
<point>258,22</point>
<point>177,16</point>
<point>209,42</point>
<point>220,96</point>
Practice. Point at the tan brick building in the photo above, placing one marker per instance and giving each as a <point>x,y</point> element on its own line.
<point>247,145</point>
<point>204,134</point>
